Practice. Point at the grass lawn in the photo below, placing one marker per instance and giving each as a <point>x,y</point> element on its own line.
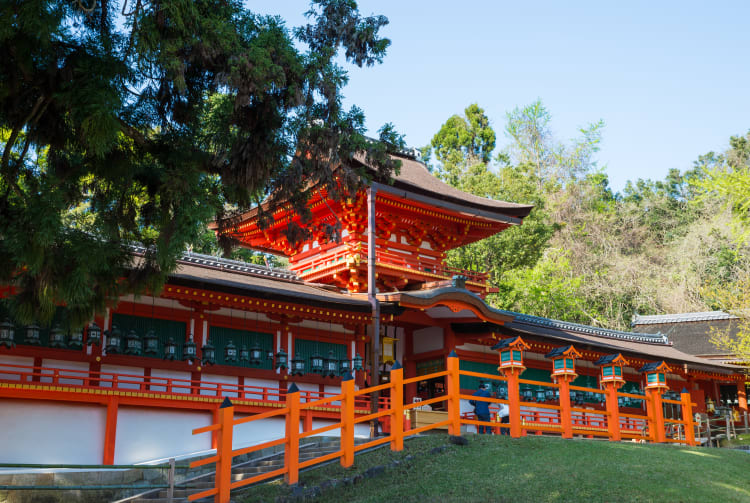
<point>533,469</point>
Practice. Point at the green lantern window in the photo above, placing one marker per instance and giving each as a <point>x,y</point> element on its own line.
<point>569,363</point>
<point>607,371</point>
<point>618,371</point>
<point>516,355</point>
<point>662,378</point>
<point>652,378</point>
<point>505,356</point>
<point>559,364</point>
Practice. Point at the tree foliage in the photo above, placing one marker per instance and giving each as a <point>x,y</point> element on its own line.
<point>138,121</point>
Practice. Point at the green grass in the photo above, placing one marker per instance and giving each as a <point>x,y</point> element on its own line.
<point>534,469</point>
<point>741,440</point>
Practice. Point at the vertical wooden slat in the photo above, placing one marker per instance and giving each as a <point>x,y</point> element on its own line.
<point>397,407</point>
<point>687,416</point>
<point>613,413</point>
<point>454,390</point>
<point>347,421</point>
<point>224,453</point>
<point>566,417</point>
<point>291,453</point>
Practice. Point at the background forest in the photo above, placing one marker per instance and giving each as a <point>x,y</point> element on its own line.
<point>587,254</point>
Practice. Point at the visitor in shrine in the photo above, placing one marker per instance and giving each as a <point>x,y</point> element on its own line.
<point>504,415</point>
<point>481,408</point>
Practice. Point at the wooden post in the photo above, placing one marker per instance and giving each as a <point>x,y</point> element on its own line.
<point>741,397</point>
<point>613,413</point>
<point>708,429</point>
<point>566,416</point>
<point>454,390</point>
<point>655,416</point>
<point>347,421</point>
<point>746,428</point>
<point>397,407</point>
<point>224,452</point>
<point>110,433</point>
<point>687,416</point>
<point>514,402</point>
<point>291,452</point>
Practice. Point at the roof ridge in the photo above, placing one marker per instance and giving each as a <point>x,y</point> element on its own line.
<point>652,319</point>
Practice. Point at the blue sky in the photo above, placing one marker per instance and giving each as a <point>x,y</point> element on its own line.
<point>669,79</point>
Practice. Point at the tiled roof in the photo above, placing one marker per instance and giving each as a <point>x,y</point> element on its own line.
<point>680,318</point>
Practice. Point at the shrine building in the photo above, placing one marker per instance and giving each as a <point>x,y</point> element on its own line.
<point>132,385</point>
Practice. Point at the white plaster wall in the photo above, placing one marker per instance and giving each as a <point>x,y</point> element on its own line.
<point>428,339</point>
<point>262,383</point>
<point>170,374</point>
<point>35,431</point>
<point>308,387</point>
<point>9,374</point>
<point>360,429</point>
<point>256,432</point>
<point>334,390</point>
<point>132,382</point>
<point>215,378</point>
<point>147,434</point>
<point>66,365</point>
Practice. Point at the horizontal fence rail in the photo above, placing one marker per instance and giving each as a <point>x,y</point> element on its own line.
<point>525,417</point>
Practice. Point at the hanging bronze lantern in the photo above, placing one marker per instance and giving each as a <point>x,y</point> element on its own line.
<point>209,354</point>
<point>298,365</point>
<point>281,359</point>
<point>230,352</point>
<point>331,365</point>
<point>6,334</point>
<point>190,351</point>
<point>316,363</point>
<point>133,343</point>
<point>94,335</point>
<point>255,354</point>
<point>32,335</point>
<point>75,341</point>
<point>357,363</point>
<point>170,349</point>
<point>56,337</point>
<point>114,339</point>
<point>344,366</point>
<point>269,355</point>
<point>244,354</point>
<point>151,343</point>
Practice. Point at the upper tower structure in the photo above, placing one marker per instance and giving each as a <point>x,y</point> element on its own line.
<point>418,219</point>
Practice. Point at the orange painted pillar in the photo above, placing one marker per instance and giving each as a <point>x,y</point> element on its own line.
<point>454,391</point>
<point>224,452</point>
<point>291,452</point>
<point>687,416</point>
<point>613,413</point>
<point>215,434</point>
<point>566,416</point>
<point>347,421</point>
<point>741,397</point>
<point>397,407</point>
<point>110,433</point>
<point>655,416</point>
<point>514,403</point>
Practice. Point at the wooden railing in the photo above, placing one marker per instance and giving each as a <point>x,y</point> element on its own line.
<point>528,417</point>
<point>163,386</point>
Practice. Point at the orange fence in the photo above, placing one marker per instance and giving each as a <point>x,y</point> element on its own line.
<point>525,417</point>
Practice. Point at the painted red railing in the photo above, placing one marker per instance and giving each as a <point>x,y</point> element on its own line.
<point>166,386</point>
<point>529,417</point>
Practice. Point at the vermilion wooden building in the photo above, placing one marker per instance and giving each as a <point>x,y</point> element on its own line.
<point>132,385</point>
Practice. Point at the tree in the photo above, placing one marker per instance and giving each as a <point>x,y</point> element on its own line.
<point>138,121</point>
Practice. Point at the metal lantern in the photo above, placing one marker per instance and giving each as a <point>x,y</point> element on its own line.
<point>357,363</point>
<point>151,343</point>
<point>540,395</point>
<point>32,335</point>
<point>75,341</point>
<point>6,334</point>
<point>527,393</point>
<point>331,365</point>
<point>316,363</point>
<point>344,366</point>
<point>579,398</point>
<point>244,354</point>
<point>209,354</point>
<point>269,355</point>
<point>190,351</point>
<point>56,337</point>
<point>230,352</point>
<point>502,391</point>
<point>281,359</point>
<point>170,349</point>
<point>256,354</point>
<point>94,335</point>
<point>133,343</point>
<point>298,365</point>
<point>549,395</point>
<point>113,340</point>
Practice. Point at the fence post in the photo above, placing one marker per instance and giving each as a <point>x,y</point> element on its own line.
<point>746,428</point>
<point>708,429</point>
<point>291,451</point>
<point>397,407</point>
<point>655,416</point>
<point>687,416</point>
<point>454,390</point>
<point>613,413</point>
<point>514,402</point>
<point>347,421</point>
<point>170,482</point>
<point>224,452</point>
<point>566,416</point>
